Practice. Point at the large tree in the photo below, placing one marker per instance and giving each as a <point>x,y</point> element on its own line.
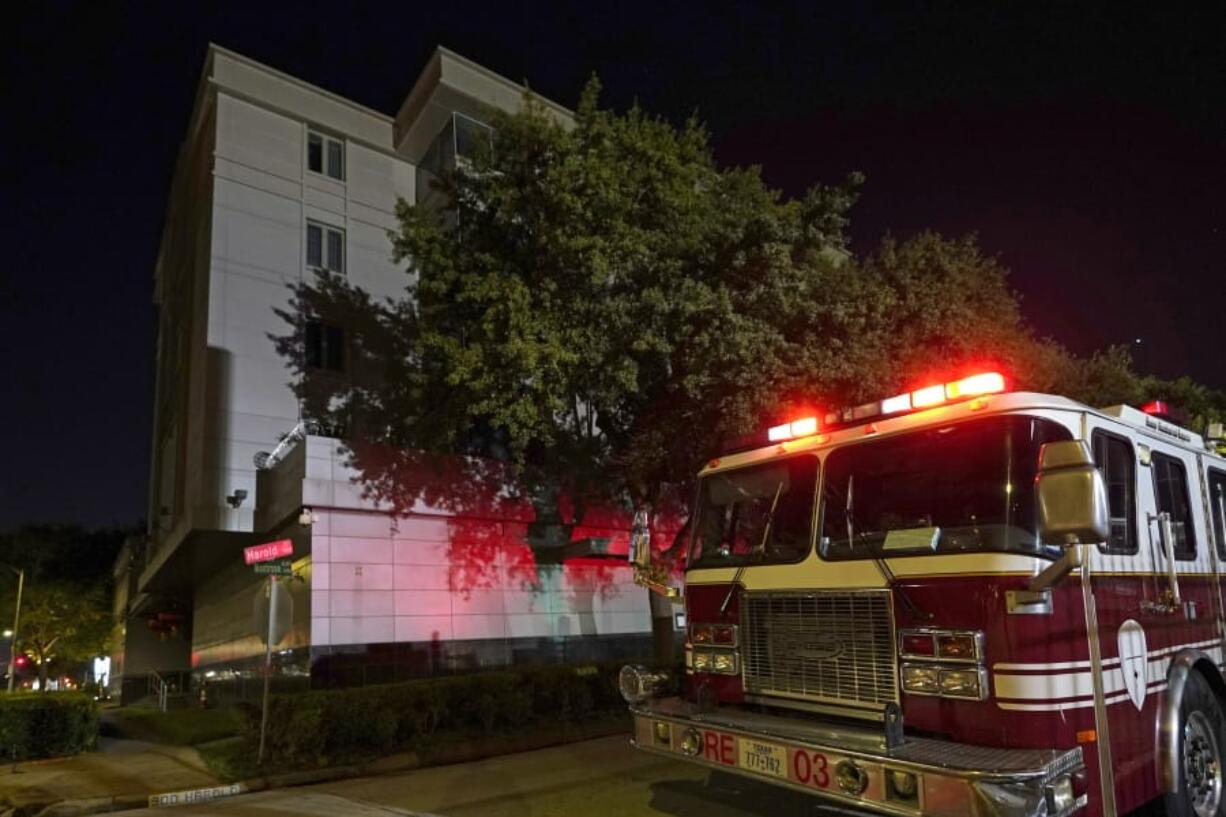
<point>598,305</point>
<point>64,624</point>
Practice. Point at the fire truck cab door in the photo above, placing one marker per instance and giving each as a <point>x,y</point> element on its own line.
<point>1142,619</point>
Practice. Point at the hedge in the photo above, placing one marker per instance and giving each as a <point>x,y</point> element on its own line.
<point>315,728</point>
<point>52,724</point>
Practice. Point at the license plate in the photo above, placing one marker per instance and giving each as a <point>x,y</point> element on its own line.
<point>763,758</point>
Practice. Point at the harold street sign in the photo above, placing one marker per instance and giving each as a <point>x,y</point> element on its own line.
<point>268,551</point>
<point>281,567</point>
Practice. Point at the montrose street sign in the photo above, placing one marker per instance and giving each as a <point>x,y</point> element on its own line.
<point>268,551</point>
<point>280,567</point>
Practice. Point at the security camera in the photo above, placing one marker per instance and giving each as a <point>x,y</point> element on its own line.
<point>306,518</point>
<point>235,499</point>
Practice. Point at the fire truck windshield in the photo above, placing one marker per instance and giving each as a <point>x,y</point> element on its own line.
<point>762,514</point>
<point>963,487</point>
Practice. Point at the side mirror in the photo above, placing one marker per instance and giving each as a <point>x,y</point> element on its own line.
<point>1071,495</point>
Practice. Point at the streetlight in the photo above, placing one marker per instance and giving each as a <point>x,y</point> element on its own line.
<point>21,582</point>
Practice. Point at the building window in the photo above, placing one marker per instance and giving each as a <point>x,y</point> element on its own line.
<point>1115,459</point>
<point>325,247</point>
<point>325,347</point>
<point>326,155</point>
<point>1171,493</point>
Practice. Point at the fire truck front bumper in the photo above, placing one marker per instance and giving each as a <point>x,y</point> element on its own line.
<point>854,766</point>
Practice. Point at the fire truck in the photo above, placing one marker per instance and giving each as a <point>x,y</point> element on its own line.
<point>960,600</point>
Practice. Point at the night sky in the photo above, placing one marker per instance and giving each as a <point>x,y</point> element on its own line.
<point>1084,145</point>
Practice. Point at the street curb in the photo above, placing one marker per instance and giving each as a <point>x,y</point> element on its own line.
<point>464,751</point>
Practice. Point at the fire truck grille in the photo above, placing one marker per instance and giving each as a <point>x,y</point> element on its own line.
<point>834,647</point>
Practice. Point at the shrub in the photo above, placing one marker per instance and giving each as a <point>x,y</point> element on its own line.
<point>331,725</point>
<point>46,725</point>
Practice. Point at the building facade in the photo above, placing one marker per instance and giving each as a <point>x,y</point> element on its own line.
<point>277,179</point>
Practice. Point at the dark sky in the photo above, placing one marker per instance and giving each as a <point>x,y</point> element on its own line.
<point>1083,143</point>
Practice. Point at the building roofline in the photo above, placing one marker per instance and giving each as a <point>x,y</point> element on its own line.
<point>432,74</point>
<point>214,48</point>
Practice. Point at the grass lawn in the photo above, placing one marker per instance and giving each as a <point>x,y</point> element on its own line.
<point>233,759</point>
<point>182,727</point>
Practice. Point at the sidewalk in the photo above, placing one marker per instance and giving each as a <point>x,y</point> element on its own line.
<point>120,768</point>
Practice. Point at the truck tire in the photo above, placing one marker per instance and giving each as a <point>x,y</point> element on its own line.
<point>1202,739</point>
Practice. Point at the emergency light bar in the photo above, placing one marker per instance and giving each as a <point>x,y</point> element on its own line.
<point>977,385</point>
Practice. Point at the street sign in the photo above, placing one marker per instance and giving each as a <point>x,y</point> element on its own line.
<point>268,551</point>
<point>281,567</point>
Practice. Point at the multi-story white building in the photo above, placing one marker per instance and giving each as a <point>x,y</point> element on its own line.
<point>276,179</point>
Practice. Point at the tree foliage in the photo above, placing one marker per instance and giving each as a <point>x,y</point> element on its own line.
<point>64,623</point>
<point>65,608</point>
<point>599,304</point>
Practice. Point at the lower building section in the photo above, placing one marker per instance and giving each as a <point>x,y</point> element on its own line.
<point>375,597</point>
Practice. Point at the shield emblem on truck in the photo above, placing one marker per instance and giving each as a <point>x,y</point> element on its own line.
<point>1134,660</point>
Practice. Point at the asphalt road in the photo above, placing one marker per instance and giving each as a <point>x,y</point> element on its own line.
<point>597,777</point>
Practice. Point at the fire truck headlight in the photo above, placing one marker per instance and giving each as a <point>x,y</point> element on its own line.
<point>701,633</point>
<point>1060,795</point>
<point>637,683</point>
<point>702,661</point>
<point>919,678</point>
<point>724,662</point>
<point>963,683</point>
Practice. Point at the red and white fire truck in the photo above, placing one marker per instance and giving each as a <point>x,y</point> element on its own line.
<point>957,601</point>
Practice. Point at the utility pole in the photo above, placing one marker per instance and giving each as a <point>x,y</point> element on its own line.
<point>272,617</point>
<point>21,581</point>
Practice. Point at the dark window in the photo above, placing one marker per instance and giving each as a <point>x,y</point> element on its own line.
<point>326,155</point>
<point>336,160</point>
<point>315,152</point>
<point>760,514</point>
<point>325,247</point>
<point>325,347</point>
<point>1171,493</point>
<point>335,251</point>
<point>315,245</point>
<point>1115,459</point>
<point>1217,499</point>
<point>471,136</point>
<point>966,487</point>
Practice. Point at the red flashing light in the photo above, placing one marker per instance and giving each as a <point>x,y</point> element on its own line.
<point>975,385</point>
<point>20,661</point>
<point>1157,408</point>
<point>803,427</point>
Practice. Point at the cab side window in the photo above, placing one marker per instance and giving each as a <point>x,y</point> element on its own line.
<point>1115,459</point>
<point>1217,502</point>
<point>1171,492</point>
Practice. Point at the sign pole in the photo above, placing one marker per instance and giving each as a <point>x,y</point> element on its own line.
<point>272,617</point>
<point>21,582</point>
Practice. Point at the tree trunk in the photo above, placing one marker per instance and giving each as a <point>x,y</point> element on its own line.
<point>42,674</point>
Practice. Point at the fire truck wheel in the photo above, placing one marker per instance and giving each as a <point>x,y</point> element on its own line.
<point>1202,738</point>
